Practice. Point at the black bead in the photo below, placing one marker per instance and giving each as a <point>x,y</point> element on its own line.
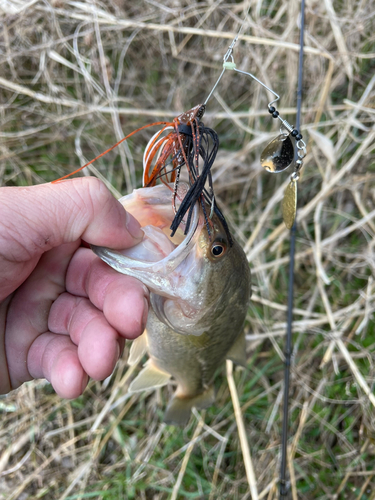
<point>275,114</point>
<point>299,137</point>
<point>271,109</point>
<point>294,132</point>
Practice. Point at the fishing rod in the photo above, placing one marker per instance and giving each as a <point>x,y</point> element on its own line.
<point>288,342</point>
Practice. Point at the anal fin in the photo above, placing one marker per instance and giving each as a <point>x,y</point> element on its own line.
<point>179,409</point>
<point>149,377</point>
<point>237,353</point>
<point>137,349</point>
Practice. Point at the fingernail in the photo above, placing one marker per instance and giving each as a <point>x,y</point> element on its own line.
<point>85,380</point>
<point>145,314</point>
<point>134,227</point>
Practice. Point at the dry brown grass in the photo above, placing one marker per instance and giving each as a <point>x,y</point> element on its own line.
<point>77,76</point>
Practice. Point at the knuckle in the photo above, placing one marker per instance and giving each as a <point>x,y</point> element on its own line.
<point>100,197</point>
<point>89,190</point>
<point>90,196</point>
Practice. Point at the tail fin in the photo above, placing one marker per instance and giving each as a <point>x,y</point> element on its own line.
<point>179,409</point>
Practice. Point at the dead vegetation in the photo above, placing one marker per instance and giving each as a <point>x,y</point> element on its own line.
<point>75,77</point>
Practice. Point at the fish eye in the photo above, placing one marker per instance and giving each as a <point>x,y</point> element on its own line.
<point>218,249</point>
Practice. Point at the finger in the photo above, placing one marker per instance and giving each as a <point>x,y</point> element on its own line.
<point>99,345</point>
<point>99,349</point>
<point>55,358</point>
<point>27,315</point>
<point>37,218</point>
<point>123,299</point>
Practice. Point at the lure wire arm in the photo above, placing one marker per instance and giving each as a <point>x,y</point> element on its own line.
<point>301,145</point>
<point>261,83</point>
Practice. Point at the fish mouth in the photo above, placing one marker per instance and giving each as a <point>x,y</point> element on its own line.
<point>155,259</point>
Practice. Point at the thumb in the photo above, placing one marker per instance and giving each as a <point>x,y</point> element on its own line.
<point>38,218</point>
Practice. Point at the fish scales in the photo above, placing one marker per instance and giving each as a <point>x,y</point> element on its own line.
<point>203,354</point>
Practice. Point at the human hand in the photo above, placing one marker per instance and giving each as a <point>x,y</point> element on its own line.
<point>64,314</point>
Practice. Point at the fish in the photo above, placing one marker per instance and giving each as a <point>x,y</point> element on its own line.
<point>200,287</point>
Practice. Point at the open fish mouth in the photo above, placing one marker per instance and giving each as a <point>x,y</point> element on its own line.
<point>155,259</point>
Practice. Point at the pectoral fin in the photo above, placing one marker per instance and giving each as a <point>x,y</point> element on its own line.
<point>237,353</point>
<point>137,349</point>
<point>149,378</point>
<point>179,409</point>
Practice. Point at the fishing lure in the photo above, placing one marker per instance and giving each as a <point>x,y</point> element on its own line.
<point>189,140</point>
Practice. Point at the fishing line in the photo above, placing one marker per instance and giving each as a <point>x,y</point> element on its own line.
<point>288,343</point>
